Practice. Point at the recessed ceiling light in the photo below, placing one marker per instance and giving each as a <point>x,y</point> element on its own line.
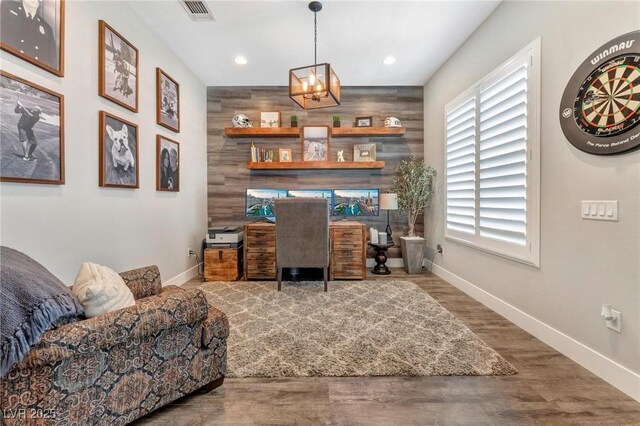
<point>240,60</point>
<point>388,60</point>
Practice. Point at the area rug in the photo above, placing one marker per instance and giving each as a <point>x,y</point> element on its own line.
<point>363,328</point>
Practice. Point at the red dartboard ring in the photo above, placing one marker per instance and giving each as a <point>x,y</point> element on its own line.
<point>600,107</point>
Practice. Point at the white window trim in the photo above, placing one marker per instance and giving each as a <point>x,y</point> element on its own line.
<point>530,254</point>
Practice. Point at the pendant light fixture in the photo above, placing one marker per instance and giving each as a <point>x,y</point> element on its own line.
<point>314,86</point>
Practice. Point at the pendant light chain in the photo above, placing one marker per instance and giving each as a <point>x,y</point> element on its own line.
<point>315,37</point>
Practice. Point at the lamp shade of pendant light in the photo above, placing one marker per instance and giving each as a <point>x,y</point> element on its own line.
<point>314,86</point>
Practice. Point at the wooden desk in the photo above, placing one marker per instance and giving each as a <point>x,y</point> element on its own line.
<point>347,251</point>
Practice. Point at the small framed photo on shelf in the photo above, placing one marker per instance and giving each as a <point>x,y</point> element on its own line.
<point>364,152</point>
<point>270,119</point>
<point>364,121</point>
<point>167,164</point>
<point>315,143</point>
<point>284,155</point>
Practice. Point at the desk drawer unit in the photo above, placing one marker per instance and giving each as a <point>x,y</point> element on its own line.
<point>348,256</point>
<point>260,252</point>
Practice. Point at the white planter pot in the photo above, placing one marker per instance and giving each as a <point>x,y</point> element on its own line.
<point>412,254</point>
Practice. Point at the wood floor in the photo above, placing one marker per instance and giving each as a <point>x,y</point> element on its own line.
<point>549,389</point>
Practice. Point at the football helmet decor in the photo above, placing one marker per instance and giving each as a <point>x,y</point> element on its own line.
<point>392,122</point>
<point>241,120</point>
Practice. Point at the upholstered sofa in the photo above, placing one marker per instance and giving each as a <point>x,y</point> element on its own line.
<point>117,367</point>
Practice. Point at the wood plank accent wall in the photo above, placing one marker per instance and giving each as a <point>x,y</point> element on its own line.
<point>228,178</point>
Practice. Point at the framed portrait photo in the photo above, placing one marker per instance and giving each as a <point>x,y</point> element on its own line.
<point>364,121</point>
<point>167,164</point>
<point>117,68</point>
<point>270,119</point>
<point>315,143</point>
<point>364,152</point>
<point>33,30</point>
<point>32,132</point>
<point>118,152</point>
<point>284,155</point>
<point>167,101</point>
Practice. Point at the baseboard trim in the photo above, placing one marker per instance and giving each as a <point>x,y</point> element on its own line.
<point>182,277</point>
<point>615,374</point>
<point>392,262</point>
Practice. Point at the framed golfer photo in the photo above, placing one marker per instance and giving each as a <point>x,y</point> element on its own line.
<point>33,30</point>
<point>167,101</point>
<point>167,164</point>
<point>31,132</point>
<point>118,152</point>
<point>117,68</point>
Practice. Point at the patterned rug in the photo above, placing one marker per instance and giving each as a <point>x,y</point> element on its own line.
<point>364,328</point>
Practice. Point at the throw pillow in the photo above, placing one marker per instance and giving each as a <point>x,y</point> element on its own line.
<point>100,290</point>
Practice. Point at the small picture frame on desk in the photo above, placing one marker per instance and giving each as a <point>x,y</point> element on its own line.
<point>364,121</point>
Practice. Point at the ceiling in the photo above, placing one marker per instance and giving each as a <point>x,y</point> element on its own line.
<point>354,36</point>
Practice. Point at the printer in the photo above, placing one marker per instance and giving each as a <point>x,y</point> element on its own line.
<point>228,236</point>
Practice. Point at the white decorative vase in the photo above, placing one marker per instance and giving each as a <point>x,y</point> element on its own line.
<point>412,254</point>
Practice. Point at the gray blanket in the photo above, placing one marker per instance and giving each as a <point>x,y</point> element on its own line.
<point>32,301</point>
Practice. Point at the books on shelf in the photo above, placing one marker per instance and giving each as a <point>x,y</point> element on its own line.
<point>262,154</point>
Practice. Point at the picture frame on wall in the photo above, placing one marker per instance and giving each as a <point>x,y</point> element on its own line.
<point>38,40</point>
<point>315,143</point>
<point>364,152</point>
<point>32,132</point>
<point>364,121</point>
<point>167,164</point>
<point>118,68</point>
<point>167,101</point>
<point>270,119</point>
<point>118,152</point>
<point>284,155</point>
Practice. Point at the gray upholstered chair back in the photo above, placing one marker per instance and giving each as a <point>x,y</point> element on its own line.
<point>302,233</point>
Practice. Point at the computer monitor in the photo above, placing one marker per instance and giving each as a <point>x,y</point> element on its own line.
<point>312,193</point>
<point>261,202</point>
<point>356,202</point>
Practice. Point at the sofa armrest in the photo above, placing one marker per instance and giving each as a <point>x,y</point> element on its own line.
<point>143,282</point>
<point>148,317</point>
<point>215,327</point>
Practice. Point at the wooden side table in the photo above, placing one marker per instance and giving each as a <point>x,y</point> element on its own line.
<point>381,258</point>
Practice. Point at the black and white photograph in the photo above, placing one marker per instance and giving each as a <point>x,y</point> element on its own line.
<point>118,68</point>
<point>315,143</point>
<point>118,152</point>
<point>31,132</point>
<point>167,165</point>
<point>33,30</point>
<point>168,101</point>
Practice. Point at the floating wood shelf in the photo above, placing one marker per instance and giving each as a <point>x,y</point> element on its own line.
<point>294,132</point>
<point>262,132</point>
<point>345,132</point>
<point>315,165</point>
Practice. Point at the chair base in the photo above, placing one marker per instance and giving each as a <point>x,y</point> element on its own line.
<point>325,275</point>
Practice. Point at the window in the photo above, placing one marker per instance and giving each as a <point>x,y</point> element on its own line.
<point>492,159</point>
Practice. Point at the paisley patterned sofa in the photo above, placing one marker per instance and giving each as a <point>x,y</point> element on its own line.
<point>117,367</point>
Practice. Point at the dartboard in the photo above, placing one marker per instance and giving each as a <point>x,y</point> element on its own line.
<point>600,108</point>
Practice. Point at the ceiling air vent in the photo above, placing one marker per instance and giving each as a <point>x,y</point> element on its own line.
<point>197,10</point>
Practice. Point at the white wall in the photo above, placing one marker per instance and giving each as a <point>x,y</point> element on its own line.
<point>62,226</point>
<point>583,263</point>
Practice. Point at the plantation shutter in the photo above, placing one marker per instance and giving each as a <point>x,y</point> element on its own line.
<point>503,156</point>
<point>461,167</point>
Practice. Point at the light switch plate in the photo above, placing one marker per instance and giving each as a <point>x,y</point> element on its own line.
<point>600,210</point>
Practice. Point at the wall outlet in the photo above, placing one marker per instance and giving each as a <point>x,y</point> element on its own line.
<point>616,323</point>
<point>440,249</point>
<point>190,252</point>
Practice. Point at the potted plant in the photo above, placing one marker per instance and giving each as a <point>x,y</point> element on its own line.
<point>336,121</point>
<point>414,185</point>
<point>294,121</point>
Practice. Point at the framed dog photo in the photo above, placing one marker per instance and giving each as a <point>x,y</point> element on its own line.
<point>118,152</point>
<point>167,164</point>
<point>167,101</point>
<point>270,119</point>
<point>117,68</point>
<point>364,152</point>
<point>284,155</point>
<point>364,121</point>
<point>315,143</point>
<point>33,30</point>
<point>32,132</point>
